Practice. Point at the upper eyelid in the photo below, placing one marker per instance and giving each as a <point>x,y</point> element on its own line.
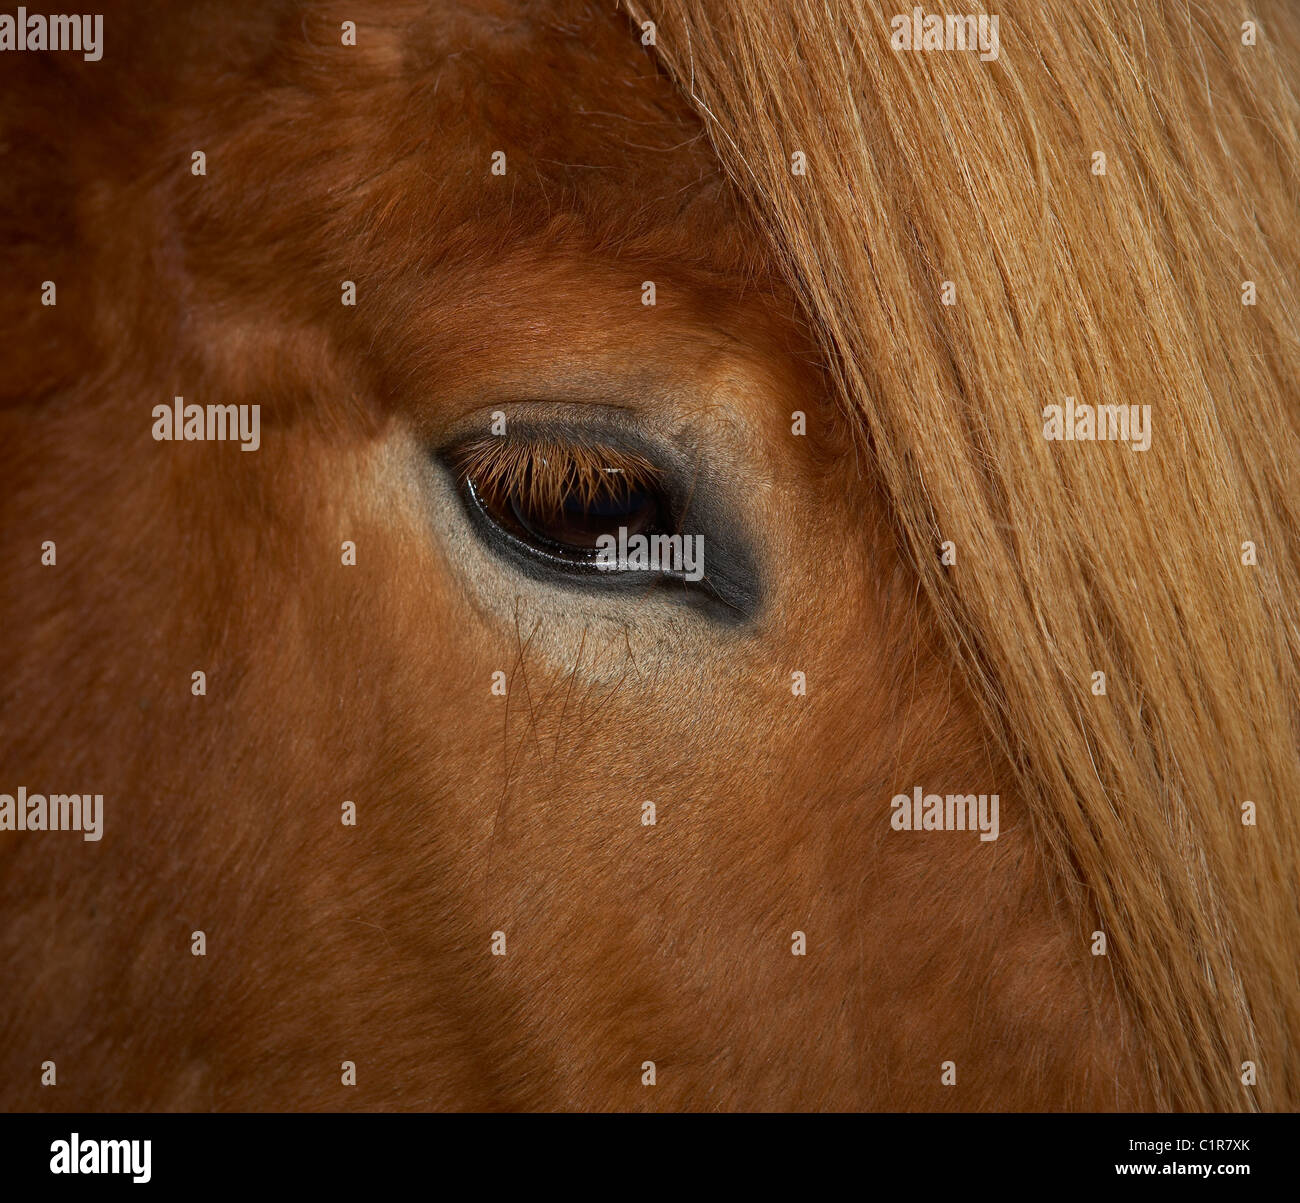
<point>621,429</point>
<point>550,469</point>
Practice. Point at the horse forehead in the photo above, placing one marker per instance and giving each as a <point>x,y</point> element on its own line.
<point>606,181</point>
<point>596,144</point>
<point>551,70</point>
<point>378,162</point>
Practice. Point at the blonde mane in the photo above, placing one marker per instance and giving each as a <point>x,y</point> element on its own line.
<point>1120,281</point>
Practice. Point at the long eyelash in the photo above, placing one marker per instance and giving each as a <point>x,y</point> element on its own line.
<point>545,473</point>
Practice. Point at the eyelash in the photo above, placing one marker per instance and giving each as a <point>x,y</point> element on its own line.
<point>548,471</point>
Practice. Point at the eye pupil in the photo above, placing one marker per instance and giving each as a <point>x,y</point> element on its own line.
<point>599,507</point>
<point>579,521</point>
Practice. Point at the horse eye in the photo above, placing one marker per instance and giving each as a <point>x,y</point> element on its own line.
<point>565,509</point>
<point>571,529</point>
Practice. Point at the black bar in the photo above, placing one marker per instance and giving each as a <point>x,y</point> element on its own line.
<point>815,1155</point>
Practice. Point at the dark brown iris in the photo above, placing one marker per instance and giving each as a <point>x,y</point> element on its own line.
<point>579,523</point>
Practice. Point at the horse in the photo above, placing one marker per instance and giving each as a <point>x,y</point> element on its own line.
<point>538,579</point>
